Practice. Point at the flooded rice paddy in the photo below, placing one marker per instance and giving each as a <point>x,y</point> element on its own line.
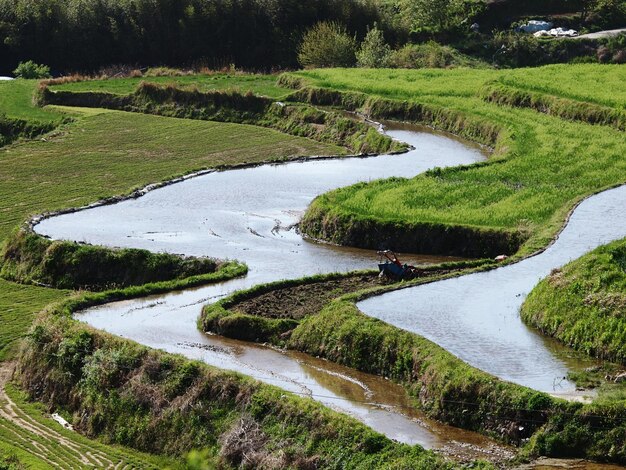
<point>250,215</point>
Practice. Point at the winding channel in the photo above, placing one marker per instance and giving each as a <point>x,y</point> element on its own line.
<point>249,215</point>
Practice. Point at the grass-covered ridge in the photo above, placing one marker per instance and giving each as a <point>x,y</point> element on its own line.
<point>261,85</point>
<point>543,164</point>
<point>443,386</point>
<point>583,304</point>
<point>30,258</point>
<point>165,404</point>
<point>232,106</point>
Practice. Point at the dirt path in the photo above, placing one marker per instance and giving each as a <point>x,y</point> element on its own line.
<point>44,442</point>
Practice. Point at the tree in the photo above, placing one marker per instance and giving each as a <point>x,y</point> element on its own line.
<point>30,69</point>
<point>327,44</point>
<point>374,51</point>
<point>440,15</point>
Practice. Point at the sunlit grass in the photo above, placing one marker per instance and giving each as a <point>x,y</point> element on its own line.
<point>549,163</point>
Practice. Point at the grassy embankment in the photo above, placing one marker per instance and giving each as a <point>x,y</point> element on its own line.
<point>162,403</point>
<point>442,385</point>
<point>583,304</point>
<point>102,154</point>
<point>261,85</point>
<point>542,166</point>
<point>19,118</point>
<point>227,106</point>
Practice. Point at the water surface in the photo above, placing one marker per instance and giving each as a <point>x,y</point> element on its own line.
<point>249,215</point>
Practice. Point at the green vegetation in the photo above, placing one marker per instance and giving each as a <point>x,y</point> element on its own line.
<point>543,164</point>
<point>584,303</point>
<point>442,385</point>
<point>130,395</point>
<point>31,70</point>
<point>327,44</point>
<point>262,85</point>
<point>431,55</point>
<point>161,403</point>
<point>231,106</point>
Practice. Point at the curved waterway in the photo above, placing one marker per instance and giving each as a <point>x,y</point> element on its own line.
<point>249,215</point>
<point>476,317</point>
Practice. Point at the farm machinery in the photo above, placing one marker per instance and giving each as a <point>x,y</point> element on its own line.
<point>393,268</point>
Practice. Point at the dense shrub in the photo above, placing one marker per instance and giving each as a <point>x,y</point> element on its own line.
<point>29,69</point>
<point>374,51</point>
<point>430,55</point>
<point>327,44</point>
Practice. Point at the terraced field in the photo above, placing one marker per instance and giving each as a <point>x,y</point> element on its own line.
<point>99,154</point>
<point>545,161</point>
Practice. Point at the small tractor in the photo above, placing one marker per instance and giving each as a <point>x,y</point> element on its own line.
<point>392,268</point>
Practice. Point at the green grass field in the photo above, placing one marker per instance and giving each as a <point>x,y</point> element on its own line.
<point>602,84</point>
<point>264,85</point>
<point>545,165</point>
<point>16,101</point>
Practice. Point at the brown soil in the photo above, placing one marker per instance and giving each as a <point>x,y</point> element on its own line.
<point>299,301</point>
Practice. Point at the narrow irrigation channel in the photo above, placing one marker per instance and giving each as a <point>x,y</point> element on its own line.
<point>249,215</point>
<point>476,317</point>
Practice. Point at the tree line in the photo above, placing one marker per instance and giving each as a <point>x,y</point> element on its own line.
<point>84,35</point>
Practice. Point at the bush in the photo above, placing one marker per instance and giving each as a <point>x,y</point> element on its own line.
<point>430,55</point>
<point>30,69</point>
<point>327,44</point>
<point>374,51</point>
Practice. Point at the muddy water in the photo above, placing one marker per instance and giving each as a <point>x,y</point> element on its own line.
<point>249,215</point>
<point>476,317</point>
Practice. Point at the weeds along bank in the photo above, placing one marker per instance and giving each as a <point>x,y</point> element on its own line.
<point>232,106</point>
<point>542,165</point>
<point>164,404</point>
<point>584,303</point>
